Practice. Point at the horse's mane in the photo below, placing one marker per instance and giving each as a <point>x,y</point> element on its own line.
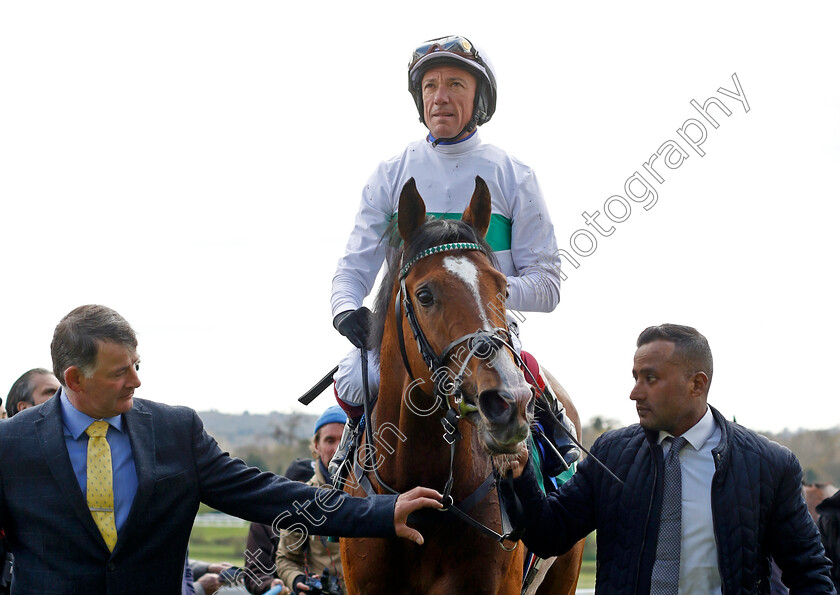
<point>433,232</point>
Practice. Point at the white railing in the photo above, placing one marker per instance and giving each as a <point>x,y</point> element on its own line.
<point>218,519</point>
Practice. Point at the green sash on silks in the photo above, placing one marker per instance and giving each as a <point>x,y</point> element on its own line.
<point>537,463</point>
<point>498,234</point>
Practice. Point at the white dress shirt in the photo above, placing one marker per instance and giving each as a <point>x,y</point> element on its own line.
<point>699,573</point>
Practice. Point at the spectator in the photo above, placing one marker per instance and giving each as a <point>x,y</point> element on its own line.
<point>829,525</point>
<point>118,480</point>
<point>261,548</point>
<point>297,558</point>
<point>7,559</point>
<point>741,502</point>
<point>33,388</point>
<point>205,576</point>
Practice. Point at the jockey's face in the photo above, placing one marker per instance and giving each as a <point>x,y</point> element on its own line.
<point>668,396</point>
<point>448,95</point>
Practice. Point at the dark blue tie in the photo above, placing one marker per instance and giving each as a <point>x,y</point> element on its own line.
<point>666,570</point>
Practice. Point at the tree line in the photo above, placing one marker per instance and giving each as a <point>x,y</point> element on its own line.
<point>272,441</point>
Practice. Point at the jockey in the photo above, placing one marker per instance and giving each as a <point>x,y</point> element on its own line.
<point>454,88</point>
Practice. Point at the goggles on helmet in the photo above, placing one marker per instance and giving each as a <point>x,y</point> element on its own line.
<point>453,44</point>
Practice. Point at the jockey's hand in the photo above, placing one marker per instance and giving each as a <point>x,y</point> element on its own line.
<point>355,325</point>
<point>409,502</point>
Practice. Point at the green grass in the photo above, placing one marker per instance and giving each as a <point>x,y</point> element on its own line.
<point>586,580</point>
<point>227,544</point>
<point>219,544</point>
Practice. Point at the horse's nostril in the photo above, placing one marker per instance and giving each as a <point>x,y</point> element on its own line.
<point>494,405</point>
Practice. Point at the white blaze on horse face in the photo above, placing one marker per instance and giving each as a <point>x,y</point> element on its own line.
<point>463,268</point>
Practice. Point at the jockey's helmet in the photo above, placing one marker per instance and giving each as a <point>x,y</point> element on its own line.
<point>455,50</point>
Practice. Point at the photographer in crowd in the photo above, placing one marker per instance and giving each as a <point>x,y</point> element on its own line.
<point>300,562</point>
<point>260,576</point>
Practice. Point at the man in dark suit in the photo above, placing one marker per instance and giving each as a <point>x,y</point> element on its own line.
<point>684,501</point>
<point>128,533</point>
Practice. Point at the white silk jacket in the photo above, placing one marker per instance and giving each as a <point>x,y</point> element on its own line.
<point>521,233</point>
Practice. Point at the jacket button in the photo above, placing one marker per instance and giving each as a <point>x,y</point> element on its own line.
<point>111,566</point>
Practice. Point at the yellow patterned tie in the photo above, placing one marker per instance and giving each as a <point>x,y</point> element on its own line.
<point>100,489</point>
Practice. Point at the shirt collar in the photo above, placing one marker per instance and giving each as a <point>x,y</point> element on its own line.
<point>77,422</point>
<point>698,433</point>
<point>461,146</point>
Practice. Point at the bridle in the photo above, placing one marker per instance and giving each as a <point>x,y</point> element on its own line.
<point>480,344</point>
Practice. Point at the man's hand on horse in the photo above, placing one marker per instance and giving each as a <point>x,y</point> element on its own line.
<point>407,503</point>
<point>513,462</point>
<point>355,325</point>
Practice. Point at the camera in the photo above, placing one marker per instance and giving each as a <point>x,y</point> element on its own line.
<point>328,584</point>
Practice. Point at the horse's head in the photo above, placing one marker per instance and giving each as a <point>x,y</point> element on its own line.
<point>456,297</point>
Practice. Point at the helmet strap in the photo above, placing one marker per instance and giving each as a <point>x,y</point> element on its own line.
<point>452,139</point>
<point>470,126</point>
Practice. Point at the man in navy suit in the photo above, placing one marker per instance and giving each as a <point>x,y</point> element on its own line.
<point>163,465</point>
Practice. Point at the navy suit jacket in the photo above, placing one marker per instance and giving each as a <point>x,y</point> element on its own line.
<point>58,548</point>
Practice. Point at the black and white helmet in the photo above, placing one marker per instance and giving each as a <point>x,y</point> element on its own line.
<point>455,50</point>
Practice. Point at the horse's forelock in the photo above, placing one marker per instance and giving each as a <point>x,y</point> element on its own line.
<point>434,232</point>
<point>444,231</point>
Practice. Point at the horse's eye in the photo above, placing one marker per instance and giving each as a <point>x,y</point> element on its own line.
<point>425,297</point>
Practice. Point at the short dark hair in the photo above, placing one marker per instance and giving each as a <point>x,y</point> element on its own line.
<point>690,346</point>
<point>21,391</point>
<point>75,341</point>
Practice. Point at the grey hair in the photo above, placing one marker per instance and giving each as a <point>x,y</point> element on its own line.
<point>76,338</point>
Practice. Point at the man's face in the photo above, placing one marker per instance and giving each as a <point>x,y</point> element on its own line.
<point>448,95</point>
<point>109,390</point>
<point>665,393</point>
<point>328,443</point>
<point>43,386</point>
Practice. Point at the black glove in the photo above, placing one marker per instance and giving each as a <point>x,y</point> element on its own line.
<point>301,578</point>
<point>355,325</point>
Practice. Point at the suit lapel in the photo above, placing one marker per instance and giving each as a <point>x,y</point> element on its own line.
<point>141,434</point>
<point>50,431</point>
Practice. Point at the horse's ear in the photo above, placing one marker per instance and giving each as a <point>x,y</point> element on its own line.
<point>478,213</point>
<point>411,213</point>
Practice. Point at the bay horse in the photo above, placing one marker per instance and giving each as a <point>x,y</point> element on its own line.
<point>814,494</point>
<point>452,403</point>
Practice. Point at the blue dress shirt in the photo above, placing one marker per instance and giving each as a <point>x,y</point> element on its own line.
<point>122,460</point>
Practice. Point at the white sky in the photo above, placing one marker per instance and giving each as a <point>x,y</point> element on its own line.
<point>197,166</point>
